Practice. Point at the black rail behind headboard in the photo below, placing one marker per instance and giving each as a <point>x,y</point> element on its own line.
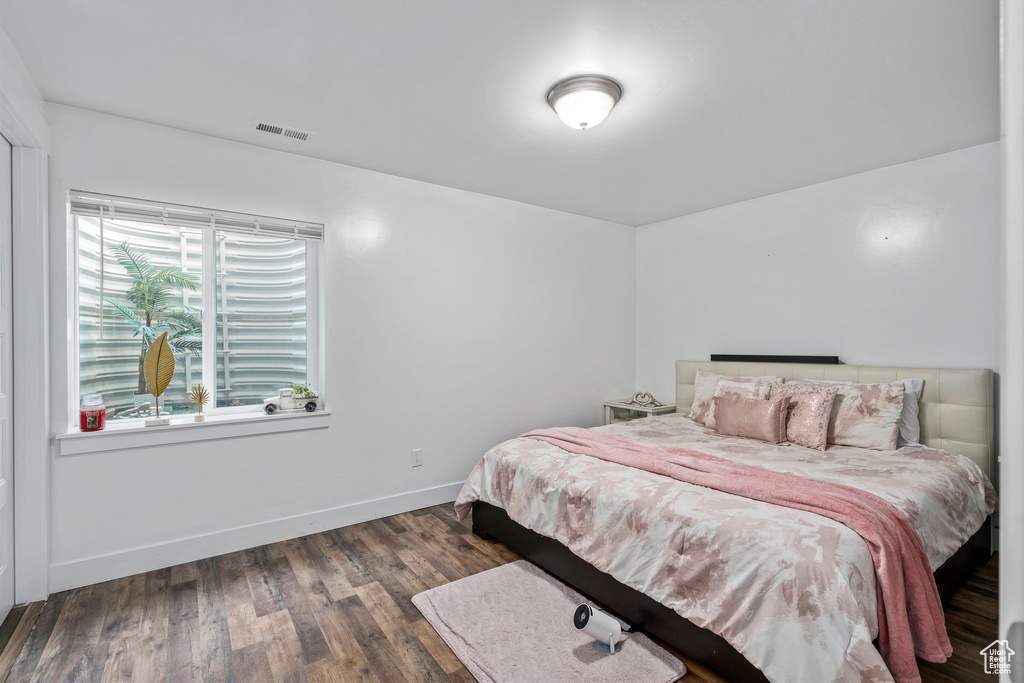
<point>749,358</point>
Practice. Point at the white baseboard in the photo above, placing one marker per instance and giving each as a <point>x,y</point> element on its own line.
<point>90,570</point>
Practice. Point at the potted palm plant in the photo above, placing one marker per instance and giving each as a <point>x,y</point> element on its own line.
<point>148,306</point>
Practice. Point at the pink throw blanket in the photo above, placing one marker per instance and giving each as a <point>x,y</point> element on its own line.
<point>910,618</point>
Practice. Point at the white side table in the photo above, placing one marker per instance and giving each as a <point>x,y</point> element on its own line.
<point>619,411</point>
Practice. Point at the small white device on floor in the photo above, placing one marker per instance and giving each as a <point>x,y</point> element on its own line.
<point>603,628</point>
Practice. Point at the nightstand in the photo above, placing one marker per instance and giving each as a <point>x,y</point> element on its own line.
<point>620,411</point>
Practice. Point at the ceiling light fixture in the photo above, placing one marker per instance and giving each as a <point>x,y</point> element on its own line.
<point>584,101</point>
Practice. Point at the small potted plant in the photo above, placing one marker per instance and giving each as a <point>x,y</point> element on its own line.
<point>199,397</point>
<point>305,397</point>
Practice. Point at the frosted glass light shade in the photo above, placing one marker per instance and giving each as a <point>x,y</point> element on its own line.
<point>584,101</point>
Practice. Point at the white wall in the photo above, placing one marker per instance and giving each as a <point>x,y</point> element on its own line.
<point>454,321</point>
<point>894,266</point>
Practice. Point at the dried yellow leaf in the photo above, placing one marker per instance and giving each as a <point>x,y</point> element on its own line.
<point>158,368</point>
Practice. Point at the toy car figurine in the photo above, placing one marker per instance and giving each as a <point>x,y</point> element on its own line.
<point>286,400</point>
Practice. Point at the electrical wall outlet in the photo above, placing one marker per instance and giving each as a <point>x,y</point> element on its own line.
<point>417,457</point>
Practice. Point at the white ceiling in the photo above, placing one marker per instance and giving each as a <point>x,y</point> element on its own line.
<point>724,100</point>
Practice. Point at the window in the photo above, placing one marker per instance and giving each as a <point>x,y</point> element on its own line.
<point>236,294</point>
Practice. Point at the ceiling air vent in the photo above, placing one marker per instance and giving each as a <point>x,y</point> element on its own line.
<point>274,129</point>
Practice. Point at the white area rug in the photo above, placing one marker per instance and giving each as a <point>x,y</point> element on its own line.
<point>513,624</point>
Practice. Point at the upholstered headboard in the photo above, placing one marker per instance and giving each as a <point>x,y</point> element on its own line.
<point>957,405</point>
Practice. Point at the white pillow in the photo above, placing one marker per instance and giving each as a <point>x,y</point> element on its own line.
<point>910,420</point>
<point>910,423</point>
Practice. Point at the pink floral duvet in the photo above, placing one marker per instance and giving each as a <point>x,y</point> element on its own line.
<point>794,592</point>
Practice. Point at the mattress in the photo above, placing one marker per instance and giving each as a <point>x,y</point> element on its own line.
<point>792,591</point>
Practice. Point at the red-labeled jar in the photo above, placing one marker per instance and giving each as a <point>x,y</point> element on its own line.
<point>93,415</point>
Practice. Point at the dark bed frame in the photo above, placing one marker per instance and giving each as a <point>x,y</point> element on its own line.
<point>659,621</point>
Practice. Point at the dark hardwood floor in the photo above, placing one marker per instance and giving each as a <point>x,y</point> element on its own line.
<point>334,606</point>
<point>972,622</point>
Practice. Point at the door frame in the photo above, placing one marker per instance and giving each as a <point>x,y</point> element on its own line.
<point>1011,466</point>
<point>31,476</point>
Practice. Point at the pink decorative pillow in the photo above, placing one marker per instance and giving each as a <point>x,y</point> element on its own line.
<point>704,385</point>
<point>809,411</point>
<point>752,418</point>
<point>747,389</point>
<point>866,415</point>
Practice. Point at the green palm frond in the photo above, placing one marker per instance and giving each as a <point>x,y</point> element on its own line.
<point>140,295</point>
<point>173,276</point>
<point>183,344</point>
<point>187,326</point>
<point>125,312</point>
<point>190,311</point>
<point>135,262</point>
<point>184,319</point>
<point>158,298</point>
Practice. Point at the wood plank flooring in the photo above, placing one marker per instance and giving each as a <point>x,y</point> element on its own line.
<point>334,606</point>
<point>14,632</point>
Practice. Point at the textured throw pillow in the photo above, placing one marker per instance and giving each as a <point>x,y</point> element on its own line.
<point>756,389</point>
<point>704,385</point>
<point>910,420</point>
<point>867,416</point>
<point>752,418</point>
<point>809,410</point>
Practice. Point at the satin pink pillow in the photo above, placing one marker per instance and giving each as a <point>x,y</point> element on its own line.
<point>751,418</point>
<point>752,389</point>
<point>809,411</point>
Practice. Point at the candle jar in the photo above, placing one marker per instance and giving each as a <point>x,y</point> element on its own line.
<point>93,414</point>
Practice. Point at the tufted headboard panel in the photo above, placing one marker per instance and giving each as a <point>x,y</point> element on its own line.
<point>957,406</point>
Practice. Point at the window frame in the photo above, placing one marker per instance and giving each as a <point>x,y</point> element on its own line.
<point>315,355</point>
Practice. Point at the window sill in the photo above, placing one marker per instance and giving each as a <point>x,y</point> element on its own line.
<point>131,435</point>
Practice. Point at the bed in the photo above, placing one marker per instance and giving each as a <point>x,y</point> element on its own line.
<point>754,591</point>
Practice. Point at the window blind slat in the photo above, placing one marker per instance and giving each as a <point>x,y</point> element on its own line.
<point>142,211</point>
